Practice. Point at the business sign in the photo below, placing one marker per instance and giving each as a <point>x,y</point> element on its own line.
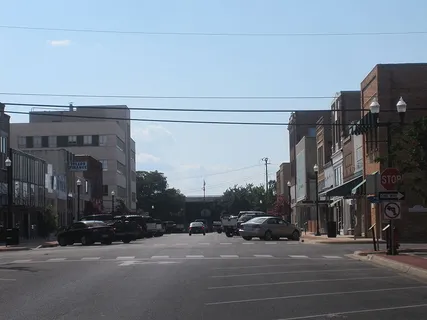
<point>78,166</point>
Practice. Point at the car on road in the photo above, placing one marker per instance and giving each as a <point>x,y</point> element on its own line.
<point>160,228</point>
<point>169,226</point>
<point>86,233</point>
<point>205,223</point>
<point>196,227</point>
<point>230,223</point>
<point>269,228</point>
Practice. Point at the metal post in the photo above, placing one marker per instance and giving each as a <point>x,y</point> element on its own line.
<point>392,250</point>
<point>9,217</point>
<point>78,202</point>
<point>317,204</point>
<point>112,204</point>
<point>290,207</point>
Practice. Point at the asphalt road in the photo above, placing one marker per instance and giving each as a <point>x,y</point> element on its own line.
<point>203,277</point>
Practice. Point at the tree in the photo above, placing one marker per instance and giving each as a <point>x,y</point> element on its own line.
<point>281,206</point>
<point>409,155</point>
<point>249,197</point>
<point>120,207</point>
<point>155,196</point>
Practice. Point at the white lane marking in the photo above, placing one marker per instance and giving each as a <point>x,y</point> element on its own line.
<point>195,256</point>
<point>21,261</point>
<point>182,244</point>
<point>90,258</point>
<point>324,294</point>
<point>204,243</point>
<point>335,314</point>
<point>127,263</point>
<point>248,243</point>
<point>225,243</point>
<point>125,258</point>
<point>160,244</point>
<point>56,259</point>
<point>160,257</point>
<point>283,265</point>
<point>228,255</point>
<point>297,282</point>
<point>289,272</point>
<point>332,257</point>
<point>263,256</point>
<point>298,257</point>
<point>1,279</point>
<point>270,242</point>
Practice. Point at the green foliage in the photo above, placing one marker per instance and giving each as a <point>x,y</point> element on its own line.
<point>409,155</point>
<point>249,197</point>
<point>49,222</point>
<point>153,191</point>
<point>120,207</point>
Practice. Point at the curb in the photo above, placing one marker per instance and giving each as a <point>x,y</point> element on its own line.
<point>47,245</point>
<point>313,241</point>
<point>14,249</point>
<point>390,264</point>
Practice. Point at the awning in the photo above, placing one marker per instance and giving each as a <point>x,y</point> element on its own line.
<point>362,126</point>
<point>333,203</point>
<point>343,190</point>
<point>360,189</point>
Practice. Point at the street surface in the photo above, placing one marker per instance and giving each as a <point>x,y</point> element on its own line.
<point>203,277</point>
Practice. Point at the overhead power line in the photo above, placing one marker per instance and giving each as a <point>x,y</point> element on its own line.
<point>216,34</point>
<point>47,114</point>
<point>55,106</point>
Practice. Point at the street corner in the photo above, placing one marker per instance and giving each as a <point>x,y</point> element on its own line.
<point>49,244</point>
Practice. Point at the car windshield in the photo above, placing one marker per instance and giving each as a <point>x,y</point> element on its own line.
<point>95,224</point>
<point>246,217</point>
<point>258,220</point>
<point>98,217</point>
<point>196,224</point>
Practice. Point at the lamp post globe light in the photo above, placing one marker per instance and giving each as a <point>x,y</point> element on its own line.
<point>401,110</point>
<point>316,172</point>
<point>113,194</point>
<point>79,184</point>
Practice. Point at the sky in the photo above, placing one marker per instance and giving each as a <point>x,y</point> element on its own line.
<point>93,63</point>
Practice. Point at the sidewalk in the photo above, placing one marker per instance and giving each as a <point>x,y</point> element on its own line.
<point>29,245</point>
<point>406,262</point>
<point>323,239</point>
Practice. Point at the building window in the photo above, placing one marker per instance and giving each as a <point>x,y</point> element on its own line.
<point>104,164</point>
<point>3,145</point>
<point>102,140</point>
<point>22,142</point>
<point>320,160</point>
<point>121,192</point>
<point>87,140</point>
<point>86,186</point>
<point>338,176</point>
<point>121,168</point>
<point>29,142</point>
<point>72,139</point>
<point>121,144</point>
<point>105,190</point>
<point>52,141</point>
<point>359,158</point>
<point>133,155</point>
<point>37,142</point>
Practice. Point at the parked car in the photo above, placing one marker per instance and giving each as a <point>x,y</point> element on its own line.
<point>196,227</point>
<point>160,228</point>
<point>205,223</point>
<point>170,226</point>
<point>139,220</point>
<point>86,233</point>
<point>217,226</point>
<point>269,228</point>
<point>151,226</point>
<point>229,223</point>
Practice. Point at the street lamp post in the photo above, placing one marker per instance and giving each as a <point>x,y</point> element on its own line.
<point>9,217</point>
<point>289,200</point>
<point>316,171</point>
<point>401,110</point>
<point>79,184</point>
<point>70,206</point>
<point>112,201</point>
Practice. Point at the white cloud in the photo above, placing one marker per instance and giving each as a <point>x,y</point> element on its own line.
<point>146,158</point>
<point>59,43</point>
<point>151,133</point>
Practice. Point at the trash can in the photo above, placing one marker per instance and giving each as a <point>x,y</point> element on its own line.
<point>332,229</point>
<point>12,236</point>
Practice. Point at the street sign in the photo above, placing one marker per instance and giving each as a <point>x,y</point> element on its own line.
<point>391,195</point>
<point>392,211</point>
<point>390,177</point>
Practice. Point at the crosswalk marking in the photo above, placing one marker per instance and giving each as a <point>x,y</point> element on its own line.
<point>159,257</point>
<point>248,243</point>
<point>225,243</point>
<point>195,256</point>
<point>204,243</point>
<point>332,257</point>
<point>270,242</point>
<point>182,244</point>
<point>125,258</point>
<point>56,259</point>
<point>263,256</point>
<point>91,258</point>
<point>160,244</point>
<point>21,261</point>
<point>229,256</point>
<point>298,257</point>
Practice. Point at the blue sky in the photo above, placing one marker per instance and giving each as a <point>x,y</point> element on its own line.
<point>112,64</point>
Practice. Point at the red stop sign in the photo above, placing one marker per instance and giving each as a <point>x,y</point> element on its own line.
<point>390,177</point>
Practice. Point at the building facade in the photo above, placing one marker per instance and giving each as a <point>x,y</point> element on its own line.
<point>4,147</point>
<point>283,176</point>
<point>102,132</point>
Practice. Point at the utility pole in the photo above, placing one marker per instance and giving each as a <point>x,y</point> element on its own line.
<point>204,194</point>
<point>266,163</point>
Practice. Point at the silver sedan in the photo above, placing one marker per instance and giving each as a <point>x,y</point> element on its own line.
<point>269,228</point>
